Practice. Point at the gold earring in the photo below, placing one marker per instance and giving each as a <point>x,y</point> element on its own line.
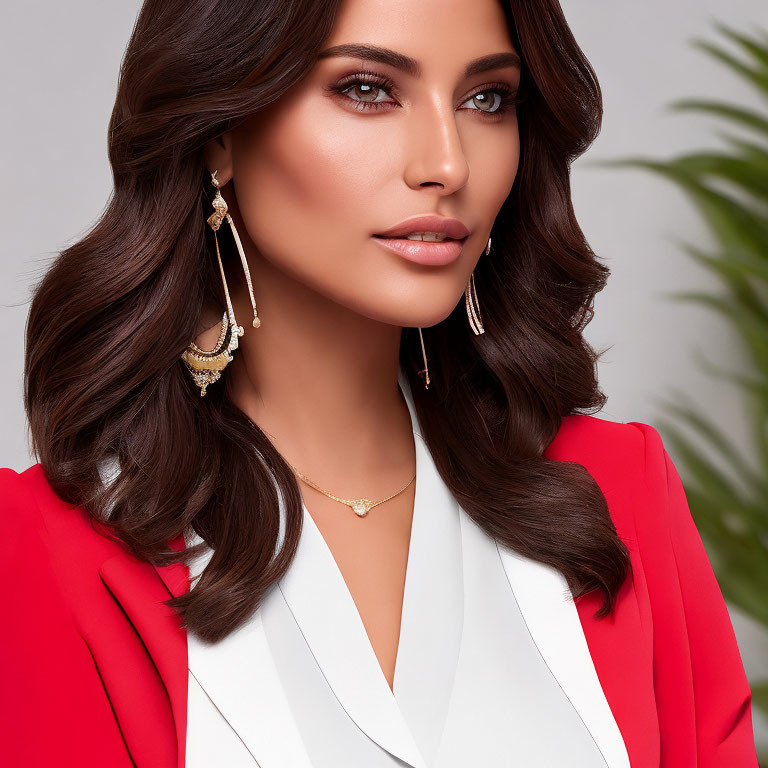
<point>472,302</point>
<point>424,372</point>
<point>473,313</point>
<point>206,366</point>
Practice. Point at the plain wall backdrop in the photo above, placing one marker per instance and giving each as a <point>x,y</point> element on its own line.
<point>65,57</point>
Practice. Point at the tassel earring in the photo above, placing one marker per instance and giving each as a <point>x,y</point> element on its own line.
<point>205,366</point>
<point>424,372</point>
<point>472,303</point>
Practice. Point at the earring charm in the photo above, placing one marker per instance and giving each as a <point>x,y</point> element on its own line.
<point>472,302</point>
<point>205,366</point>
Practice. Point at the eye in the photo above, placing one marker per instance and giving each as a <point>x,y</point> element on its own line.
<point>501,98</point>
<point>365,89</point>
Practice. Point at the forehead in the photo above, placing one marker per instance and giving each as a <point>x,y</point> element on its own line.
<point>435,33</point>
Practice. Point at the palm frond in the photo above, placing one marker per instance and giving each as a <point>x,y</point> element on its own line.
<point>746,118</point>
<point>727,496</point>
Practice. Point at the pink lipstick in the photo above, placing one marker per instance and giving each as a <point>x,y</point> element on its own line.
<point>434,240</point>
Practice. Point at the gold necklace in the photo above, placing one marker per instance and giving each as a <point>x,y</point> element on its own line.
<point>360,507</point>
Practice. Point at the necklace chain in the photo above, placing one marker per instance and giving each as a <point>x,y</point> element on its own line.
<point>361,506</point>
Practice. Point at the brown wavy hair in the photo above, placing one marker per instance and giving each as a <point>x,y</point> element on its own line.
<point>113,313</point>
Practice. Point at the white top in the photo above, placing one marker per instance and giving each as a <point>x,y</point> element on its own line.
<point>299,685</point>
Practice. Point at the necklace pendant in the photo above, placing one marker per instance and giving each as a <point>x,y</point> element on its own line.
<point>361,506</point>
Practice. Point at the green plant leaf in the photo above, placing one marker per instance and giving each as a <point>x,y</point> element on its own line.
<point>735,275</point>
<point>756,76</point>
<point>754,153</point>
<point>750,45</point>
<point>760,694</point>
<point>732,112</point>
<point>721,493</point>
<point>756,402</point>
<point>752,327</point>
<point>741,262</point>
<point>732,223</point>
<point>744,173</point>
<point>706,428</point>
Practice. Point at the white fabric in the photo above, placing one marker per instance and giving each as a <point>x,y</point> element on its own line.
<point>476,683</point>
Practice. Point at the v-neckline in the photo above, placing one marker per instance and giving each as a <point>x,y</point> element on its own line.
<point>408,586</point>
<point>408,719</point>
<point>414,528</point>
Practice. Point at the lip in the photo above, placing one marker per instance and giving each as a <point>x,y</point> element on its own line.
<point>452,228</point>
<point>422,252</point>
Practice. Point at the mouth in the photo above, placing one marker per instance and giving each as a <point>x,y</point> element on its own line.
<point>426,237</point>
<point>427,248</point>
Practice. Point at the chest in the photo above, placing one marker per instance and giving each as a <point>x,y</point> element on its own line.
<point>371,553</point>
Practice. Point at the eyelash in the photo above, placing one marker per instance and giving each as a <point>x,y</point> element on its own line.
<point>509,97</point>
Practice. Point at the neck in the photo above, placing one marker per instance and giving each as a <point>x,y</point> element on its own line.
<point>321,379</point>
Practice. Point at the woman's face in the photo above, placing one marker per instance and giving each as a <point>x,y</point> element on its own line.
<point>362,144</point>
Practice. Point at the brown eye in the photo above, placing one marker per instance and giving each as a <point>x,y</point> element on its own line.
<point>494,100</point>
<point>487,101</point>
<point>366,91</point>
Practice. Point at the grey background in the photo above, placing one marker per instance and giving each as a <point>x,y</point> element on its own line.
<point>60,63</point>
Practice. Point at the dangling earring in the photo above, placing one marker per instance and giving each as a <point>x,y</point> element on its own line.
<point>473,313</point>
<point>424,372</point>
<point>472,303</point>
<point>206,366</point>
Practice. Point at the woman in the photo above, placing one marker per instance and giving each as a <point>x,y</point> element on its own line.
<point>389,532</point>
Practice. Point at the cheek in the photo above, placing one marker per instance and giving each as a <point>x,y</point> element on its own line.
<point>299,174</point>
<point>494,163</point>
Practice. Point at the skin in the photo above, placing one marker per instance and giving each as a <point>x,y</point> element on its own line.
<point>308,181</point>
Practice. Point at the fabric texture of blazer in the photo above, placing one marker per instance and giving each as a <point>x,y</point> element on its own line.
<point>94,668</point>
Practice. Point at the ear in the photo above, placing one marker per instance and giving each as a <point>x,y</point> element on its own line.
<point>218,157</point>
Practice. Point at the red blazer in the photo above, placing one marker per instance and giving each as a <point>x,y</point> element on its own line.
<point>94,668</point>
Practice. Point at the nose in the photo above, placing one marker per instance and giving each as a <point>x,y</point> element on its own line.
<point>435,155</point>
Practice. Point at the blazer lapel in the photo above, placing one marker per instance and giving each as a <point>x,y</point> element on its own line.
<point>324,609</point>
<point>552,618</point>
<point>432,620</point>
<point>239,676</point>
<point>237,673</point>
<point>615,653</point>
<point>139,592</point>
<point>624,667</point>
<point>319,600</point>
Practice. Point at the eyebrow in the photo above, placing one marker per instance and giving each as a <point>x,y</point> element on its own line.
<point>411,66</point>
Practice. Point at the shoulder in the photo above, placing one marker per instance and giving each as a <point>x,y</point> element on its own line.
<point>51,602</point>
<point>36,591</point>
<point>597,436</point>
<point>22,522</point>
<point>609,449</point>
<point>28,493</point>
<point>631,466</point>
<point>29,503</point>
<point>39,531</point>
